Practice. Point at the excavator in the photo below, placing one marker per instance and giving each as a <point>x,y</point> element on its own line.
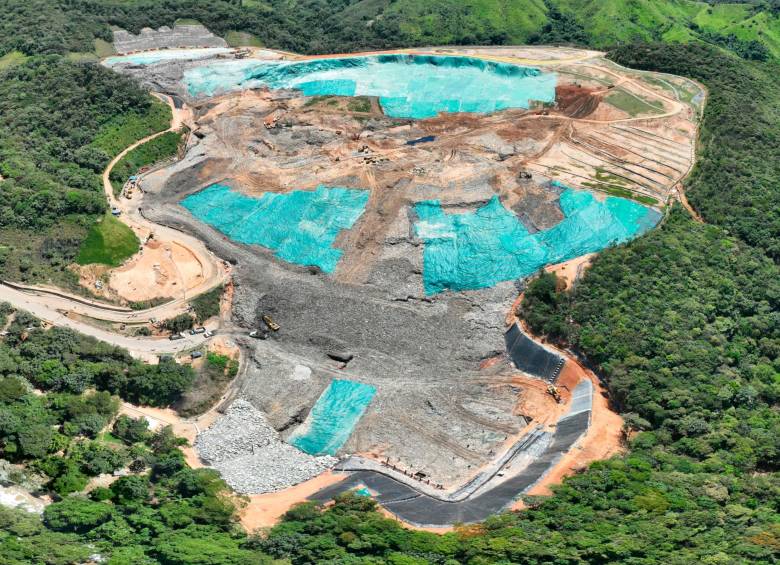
<point>553,391</point>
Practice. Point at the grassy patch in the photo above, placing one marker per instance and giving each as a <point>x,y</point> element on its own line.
<point>104,48</point>
<point>80,57</point>
<point>186,22</point>
<point>207,305</point>
<point>11,59</point>
<point>603,175</point>
<point>359,104</point>
<point>109,438</point>
<point>151,303</point>
<point>109,242</point>
<point>242,39</point>
<point>632,104</point>
<point>42,255</point>
<point>622,192</point>
<point>209,386</point>
<point>660,83</point>
<point>151,152</point>
<point>123,130</point>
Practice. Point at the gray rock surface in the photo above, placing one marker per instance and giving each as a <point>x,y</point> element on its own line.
<point>194,35</point>
<point>249,454</point>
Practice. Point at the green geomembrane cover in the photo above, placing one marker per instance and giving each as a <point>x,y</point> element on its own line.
<point>299,226</point>
<point>479,249</point>
<point>333,417</point>
<point>410,86</point>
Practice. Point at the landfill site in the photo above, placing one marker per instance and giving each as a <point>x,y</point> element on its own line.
<point>378,245</point>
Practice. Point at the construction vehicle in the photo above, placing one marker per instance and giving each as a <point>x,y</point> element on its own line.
<point>271,121</point>
<point>552,390</point>
<point>258,334</point>
<point>269,321</point>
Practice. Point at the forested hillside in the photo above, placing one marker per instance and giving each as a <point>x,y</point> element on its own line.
<point>60,124</point>
<point>751,29</point>
<point>735,183</point>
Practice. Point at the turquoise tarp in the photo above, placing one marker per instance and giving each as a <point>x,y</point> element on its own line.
<point>300,226</point>
<point>479,249</point>
<point>412,86</point>
<point>333,417</point>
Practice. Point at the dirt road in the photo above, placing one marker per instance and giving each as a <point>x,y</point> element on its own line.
<point>213,271</point>
<point>60,308</point>
<point>50,309</point>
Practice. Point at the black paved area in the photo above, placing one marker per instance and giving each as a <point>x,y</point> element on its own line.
<point>530,357</point>
<point>421,509</point>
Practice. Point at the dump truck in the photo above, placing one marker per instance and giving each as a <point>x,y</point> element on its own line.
<point>269,321</point>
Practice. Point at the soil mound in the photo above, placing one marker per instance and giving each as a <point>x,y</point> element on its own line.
<point>576,101</point>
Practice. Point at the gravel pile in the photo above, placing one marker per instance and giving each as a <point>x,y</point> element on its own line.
<point>251,457</point>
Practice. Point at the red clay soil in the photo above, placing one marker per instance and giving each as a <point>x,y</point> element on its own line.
<point>576,101</point>
<point>265,510</point>
<point>602,440</point>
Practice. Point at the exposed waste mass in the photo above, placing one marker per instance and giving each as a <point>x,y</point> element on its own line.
<point>181,35</point>
<point>407,288</point>
<point>250,456</point>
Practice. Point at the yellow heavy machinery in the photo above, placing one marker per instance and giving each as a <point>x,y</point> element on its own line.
<point>552,390</point>
<point>269,321</point>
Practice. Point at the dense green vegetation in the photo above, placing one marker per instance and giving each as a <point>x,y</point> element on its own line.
<point>60,123</point>
<point>63,361</point>
<point>109,242</point>
<point>168,513</point>
<point>154,151</point>
<point>750,28</point>
<point>207,304</point>
<point>735,184</point>
<point>57,432</point>
<point>163,512</point>
<point>683,325</point>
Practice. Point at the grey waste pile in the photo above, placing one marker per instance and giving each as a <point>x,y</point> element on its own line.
<point>166,38</point>
<point>250,455</point>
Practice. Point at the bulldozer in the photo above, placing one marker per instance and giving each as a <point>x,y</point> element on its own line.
<point>552,390</point>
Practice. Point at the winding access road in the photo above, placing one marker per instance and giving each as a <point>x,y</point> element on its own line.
<point>60,308</point>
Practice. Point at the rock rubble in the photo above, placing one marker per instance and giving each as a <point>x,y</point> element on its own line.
<point>251,457</point>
